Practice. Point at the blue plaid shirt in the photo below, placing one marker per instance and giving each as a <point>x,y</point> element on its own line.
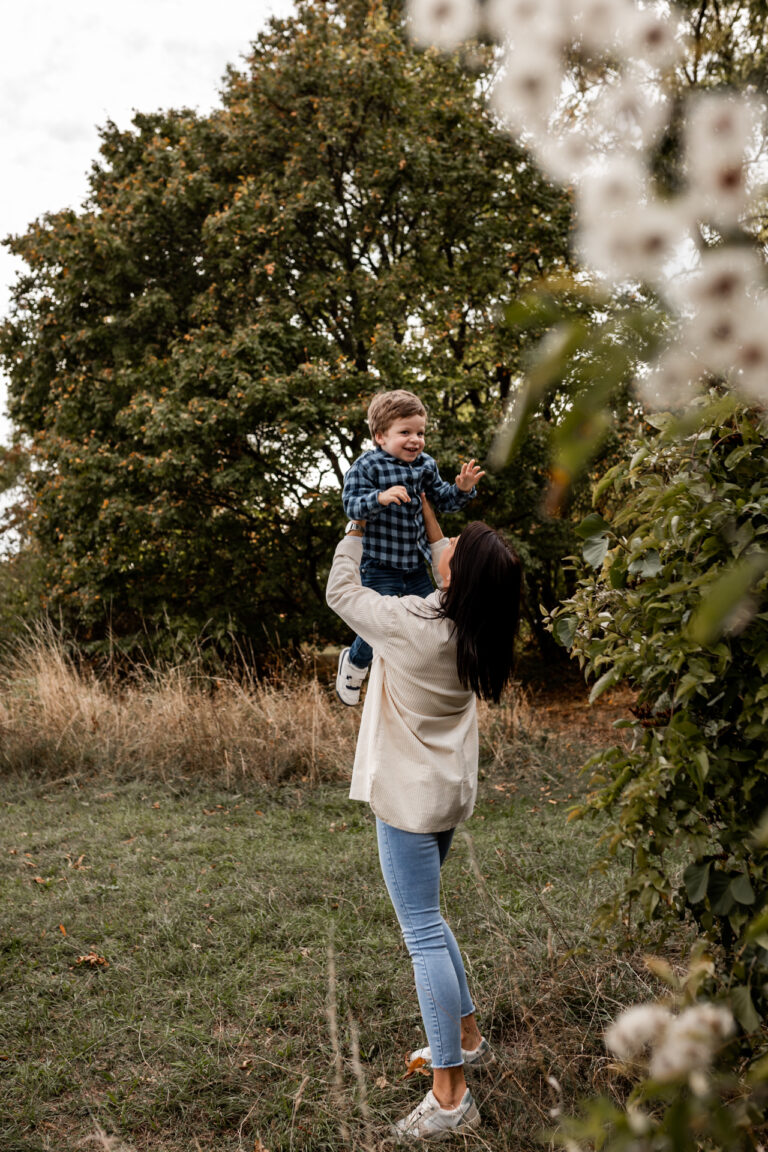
<point>395,535</point>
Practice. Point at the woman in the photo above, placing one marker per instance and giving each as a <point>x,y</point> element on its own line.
<point>416,765</point>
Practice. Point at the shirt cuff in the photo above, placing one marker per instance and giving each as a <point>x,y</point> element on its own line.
<point>372,507</point>
<point>436,548</point>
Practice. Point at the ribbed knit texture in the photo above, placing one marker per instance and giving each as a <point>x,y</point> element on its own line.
<point>417,749</point>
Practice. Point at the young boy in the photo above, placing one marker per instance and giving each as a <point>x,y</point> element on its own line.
<point>383,487</point>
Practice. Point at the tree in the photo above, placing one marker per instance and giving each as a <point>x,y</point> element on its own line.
<point>192,354</point>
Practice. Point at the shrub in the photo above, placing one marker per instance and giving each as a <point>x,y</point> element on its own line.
<point>671,602</point>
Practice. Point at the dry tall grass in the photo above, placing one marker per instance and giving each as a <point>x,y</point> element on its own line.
<point>57,720</point>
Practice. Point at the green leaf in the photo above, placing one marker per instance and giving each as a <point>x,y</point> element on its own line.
<point>617,574</point>
<point>741,889</point>
<point>605,482</point>
<point>649,564</point>
<point>605,681</point>
<point>537,309</point>
<point>553,354</point>
<point>564,630</point>
<point>723,597</point>
<point>744,1009</point>
<point>696,879</point>
<point>592,525</point>
<point>757,926</point>
<point>719,892</point>
<point>595,550</point>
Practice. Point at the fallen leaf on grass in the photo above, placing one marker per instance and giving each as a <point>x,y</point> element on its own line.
<point>382,1082</point>
<point>417,1065</point>
<point>62,929</point>
<point>93,960</point>
<point>259,1147</point>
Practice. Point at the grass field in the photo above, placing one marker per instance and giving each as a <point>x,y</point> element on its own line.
<point>188,968</point>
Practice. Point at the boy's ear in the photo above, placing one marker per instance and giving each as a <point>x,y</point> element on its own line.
<point>378,437</point>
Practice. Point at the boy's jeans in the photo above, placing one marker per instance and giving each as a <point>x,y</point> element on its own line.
<point>387,582</point>
<point>410,863</point>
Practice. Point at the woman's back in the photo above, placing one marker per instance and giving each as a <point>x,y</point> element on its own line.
<point>416,759</point>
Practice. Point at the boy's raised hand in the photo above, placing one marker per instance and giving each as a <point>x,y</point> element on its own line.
<point>397,494</point>
<point>469,476</point>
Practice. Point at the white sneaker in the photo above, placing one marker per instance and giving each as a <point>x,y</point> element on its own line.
<point>349,680</point>
<point>479,1057</point>
<point>429,1121</point>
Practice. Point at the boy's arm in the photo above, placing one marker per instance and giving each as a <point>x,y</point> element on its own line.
<point>360,496</point>
<point>450,497</point>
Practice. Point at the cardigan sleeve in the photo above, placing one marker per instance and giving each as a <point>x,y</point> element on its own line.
<point>369,613</point>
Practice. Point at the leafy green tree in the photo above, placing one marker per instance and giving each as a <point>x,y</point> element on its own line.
<point>192,354</point>
<point>671,601</point>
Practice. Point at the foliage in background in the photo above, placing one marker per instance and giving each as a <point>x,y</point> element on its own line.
<point>671,603</point>
<point>60,720</point>
<point>191,355</point>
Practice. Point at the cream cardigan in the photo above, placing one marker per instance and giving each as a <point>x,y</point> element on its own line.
<point>417,750</point>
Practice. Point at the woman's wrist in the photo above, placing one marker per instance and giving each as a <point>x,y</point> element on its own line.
<point>355,528</point>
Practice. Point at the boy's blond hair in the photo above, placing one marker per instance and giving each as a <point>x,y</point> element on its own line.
<point>387,407</point>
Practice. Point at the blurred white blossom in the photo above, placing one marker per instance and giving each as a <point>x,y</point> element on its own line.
<point>751,359</point>
<point>631,112</point>
<point>654,38</point>
<point>526,92</point>
<point>723,280</point>
<point>721,316</point>
<point>612,187</point>
<point>527,22</point>
<point>600,144</point>
<point>443,23</point>
<point>566,155</point>
<point>690,1042</point>
<point>672,382</point>
<point>637,1028</point>
<point>634,243</point>
<point>720,136</point>
<point>601,25</point>
<point>679,1045</point>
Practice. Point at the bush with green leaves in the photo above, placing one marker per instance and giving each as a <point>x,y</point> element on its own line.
<point>672,602</point>
<point>693,1090</point>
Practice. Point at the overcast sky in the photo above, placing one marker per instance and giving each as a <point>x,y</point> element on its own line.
<point>67,66</point>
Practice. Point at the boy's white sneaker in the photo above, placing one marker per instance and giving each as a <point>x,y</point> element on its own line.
<point>349,680</point>
<point>429,1121</point>
<point>479,1057</point>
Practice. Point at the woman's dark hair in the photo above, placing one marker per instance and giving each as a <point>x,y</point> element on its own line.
<point>483,601</point>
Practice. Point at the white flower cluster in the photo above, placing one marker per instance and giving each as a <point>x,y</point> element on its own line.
<point>626,231</point>
<point>681,1047</point>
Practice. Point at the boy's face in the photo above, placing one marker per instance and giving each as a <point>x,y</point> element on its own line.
<point>404,438</point>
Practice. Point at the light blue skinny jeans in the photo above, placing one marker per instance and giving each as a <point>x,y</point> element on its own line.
<point>410,863</point>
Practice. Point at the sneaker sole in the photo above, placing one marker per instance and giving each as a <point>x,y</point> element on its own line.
<point>339,697</point>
